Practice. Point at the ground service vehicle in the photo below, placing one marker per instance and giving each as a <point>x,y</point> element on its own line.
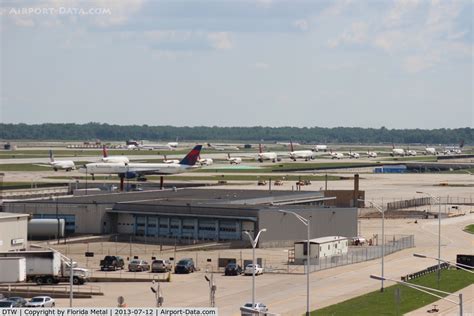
<point>112,263</point>
<point>185,266</point>
<point>48,266</point>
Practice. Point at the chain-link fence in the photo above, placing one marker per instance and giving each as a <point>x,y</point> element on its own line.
<point>393,243</point>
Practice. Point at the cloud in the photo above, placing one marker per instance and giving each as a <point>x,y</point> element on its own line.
<point>389,40</point>
<point>400,9</point>
<point>301,24</point>
<point>356,34</point>
<point>337,8</point>
<point>220,40</point>
<point>418,63</point>
<point>262,65</point>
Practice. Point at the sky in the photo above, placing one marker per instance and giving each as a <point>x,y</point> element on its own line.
<point>353,63</point>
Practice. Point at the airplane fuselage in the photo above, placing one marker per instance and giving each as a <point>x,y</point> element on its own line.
<point>137,168</point>
<point>302,154</point>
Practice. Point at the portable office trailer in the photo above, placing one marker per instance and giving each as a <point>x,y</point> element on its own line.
<point>13,269</point>
<point>321,247</point>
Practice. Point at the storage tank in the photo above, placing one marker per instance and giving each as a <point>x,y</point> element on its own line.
<point>13,269</point>
<point>43,228</point>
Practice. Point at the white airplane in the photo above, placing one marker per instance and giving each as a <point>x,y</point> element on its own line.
<point>371,154</point>
<point>205,161</point>
<point>454,150</point>
<point>234,160</point>
<point>288,144</point>
<point>300,154</point>
<point>222,147</point>
<point>321,148</point>
<point>67,165</point>
<point>170,160</point>
<point>174,144</point>
<point>107,158</point>
<point>155,147</point>
<point>139,170</point>
<point>397,151</point>
<point>336,155</point>
<point>266,155</point>
<point>430,151</point>
<point>411,152</point>
<point>353,155</point>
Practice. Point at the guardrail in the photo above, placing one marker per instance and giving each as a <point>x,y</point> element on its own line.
<point>31,288</point>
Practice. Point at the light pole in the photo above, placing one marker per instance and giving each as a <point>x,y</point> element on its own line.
<point>381,210</point>
<point>212,285</point>
<point>461,266</point>
<point>437,199</point>
<point>307,223</point>
<point>426,290</point>
<point>254,243</point>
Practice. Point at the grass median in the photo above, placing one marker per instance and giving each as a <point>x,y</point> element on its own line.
<point>469,229</point>
<point>385,303</point>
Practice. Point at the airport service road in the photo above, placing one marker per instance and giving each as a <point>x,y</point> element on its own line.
<point>286,294</point>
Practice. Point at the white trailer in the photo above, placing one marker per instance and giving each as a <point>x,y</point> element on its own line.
<point>48,267</point>
<point>13,270</point>
<point>321,247</point>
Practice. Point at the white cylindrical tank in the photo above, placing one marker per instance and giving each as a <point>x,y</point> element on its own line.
<point>45,228</point>
<point>13,269</point>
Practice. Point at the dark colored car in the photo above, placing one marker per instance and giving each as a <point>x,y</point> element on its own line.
<point>21,302</point>
<point>233,269</point>
<point>185,266</point>
<point>112,263</point>
<point>8,304</point>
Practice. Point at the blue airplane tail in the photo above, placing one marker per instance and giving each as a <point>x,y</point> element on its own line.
<point>192,156</point>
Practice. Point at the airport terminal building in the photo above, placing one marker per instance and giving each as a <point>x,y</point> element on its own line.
<point>197,214</point>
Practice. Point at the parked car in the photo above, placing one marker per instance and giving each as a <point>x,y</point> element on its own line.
<point>8,304</point>
<point>138,265</point>
<point>112,263</point>
<point>233,269</point>
<point>258,306</point>
<point>20,301</point>
<point>41,301</point>
<point>278,182</point>
<point>249,269</point>
<point>261,182</point>
<point>161,265</point>
<point>185,266</point>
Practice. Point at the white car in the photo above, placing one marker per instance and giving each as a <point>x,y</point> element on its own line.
<point>249,269</point>
<point>41,301</point>
<point>258,307</point>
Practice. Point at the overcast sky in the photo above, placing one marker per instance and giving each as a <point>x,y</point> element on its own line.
<point>399,64</point>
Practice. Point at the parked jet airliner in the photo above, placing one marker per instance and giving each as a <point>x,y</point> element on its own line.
<point>266,155</point>
<point>138,170</point>
<point>301,154</point>
<point>107,158</point>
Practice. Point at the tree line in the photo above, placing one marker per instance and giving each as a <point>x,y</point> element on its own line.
<point>354,135</point>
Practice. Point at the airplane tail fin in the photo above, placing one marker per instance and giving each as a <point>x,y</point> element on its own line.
<point>51,157</point>
<point>192,156</point>
<point>291,145</point>
<point>461,145</point>
<point>104,151</point>
<point>228,155</point>
<point>260,148</point>
<point>209,145</point>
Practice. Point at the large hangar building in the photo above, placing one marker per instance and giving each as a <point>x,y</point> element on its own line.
<point>197,214</point>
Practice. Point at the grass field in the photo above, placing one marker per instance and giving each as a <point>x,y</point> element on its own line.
<point>377,303</point>
<point>469,229</point>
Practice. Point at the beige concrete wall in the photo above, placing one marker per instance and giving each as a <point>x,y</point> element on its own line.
<point>13,233</point>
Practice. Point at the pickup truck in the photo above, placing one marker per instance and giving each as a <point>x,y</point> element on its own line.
<point>111,263</point>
